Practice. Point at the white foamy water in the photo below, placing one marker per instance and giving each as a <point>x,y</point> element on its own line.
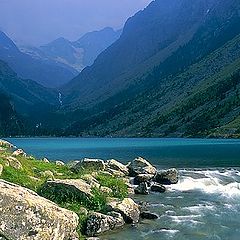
<point>210,182</point>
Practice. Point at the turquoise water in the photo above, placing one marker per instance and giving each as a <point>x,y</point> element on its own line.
<point>204,205</point>
<point>163,152</point>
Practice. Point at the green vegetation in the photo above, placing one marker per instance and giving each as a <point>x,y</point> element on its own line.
<point>33,174</point>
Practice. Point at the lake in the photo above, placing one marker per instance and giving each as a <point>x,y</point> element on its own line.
<point>205,204</point>
<point>180,153</point>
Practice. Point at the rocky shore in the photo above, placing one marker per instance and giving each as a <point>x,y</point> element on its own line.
<point>79,200</point>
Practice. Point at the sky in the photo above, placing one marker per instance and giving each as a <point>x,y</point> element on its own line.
<point>36,22</point>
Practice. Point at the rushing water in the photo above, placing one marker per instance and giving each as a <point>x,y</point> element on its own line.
<point>205,204</point>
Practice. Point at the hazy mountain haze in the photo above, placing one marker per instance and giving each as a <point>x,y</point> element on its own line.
<point>40,21</point>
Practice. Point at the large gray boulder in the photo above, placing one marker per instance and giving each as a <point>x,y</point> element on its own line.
<point>98,223</point>
<point>127,208</point>
<point>88,164</point>
<point>167,177</point>
<point>71,188</point>
<point>115,165</point>
<point>26,215</point>
<point>141,166</point>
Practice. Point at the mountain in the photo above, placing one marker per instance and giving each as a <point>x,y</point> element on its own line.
<point>24,103</point>
<point>44,71</point>
<point>173,72</point>
<point>93,43</point>
<point>77,54</point>
<point>148,38</point>
<point>9,123</point>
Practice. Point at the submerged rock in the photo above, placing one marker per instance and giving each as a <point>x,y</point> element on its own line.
<point>141,166</point>
<point>158,188</point>
<point>148,215</point>
<point>26,215</point>
<point>88,164</point>
<point>167,177</point>
<point>127,208</point>
<point>142,189</point>
<point>73,188</point>
<point>98,223</point>
<point>115,165</point>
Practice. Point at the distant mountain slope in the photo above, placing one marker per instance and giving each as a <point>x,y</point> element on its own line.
<point>43,71</point>
<point>148,38</point>
<point>77,54</point>
<point>93,43</point>
<point>23,101</point>
<point>9,122</point>
<point>192,92</point>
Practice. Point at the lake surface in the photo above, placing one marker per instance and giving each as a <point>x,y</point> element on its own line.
<point>180,153</point>
<point>205,204</point>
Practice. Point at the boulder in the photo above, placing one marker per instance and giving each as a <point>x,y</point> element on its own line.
<point>89,164</point>
<point>47,174</point>
<point>158,188</point>
<point>46,160</point>
<point>6,144</point>
<point>1,169</point>
<point>148,215</point>
<point>127,208</point>
<point>33,217</point>
<point>115,165</point>
<point>167,177</point>
<point>88,178</point>
<point>98,223</point>
<point>115,173</point>
<point>143,178</point>
<point>59,163</point>
<point>19,152</point>
<point>141,166</point>
<point>72,188</point>
<point>142,189</point>
<point>106,190</point>
<point>13,162</point>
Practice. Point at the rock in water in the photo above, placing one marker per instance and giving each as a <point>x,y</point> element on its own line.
<point>158,188</point>
<point>26,215</point>
<point>143,178</point>
<point>167,177</point>
<point>142,189</point>
<point>141,166</point>
<point>148,215</point>
<point>88,164</point>
<point>127,208</point>
<point>98,223</point>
